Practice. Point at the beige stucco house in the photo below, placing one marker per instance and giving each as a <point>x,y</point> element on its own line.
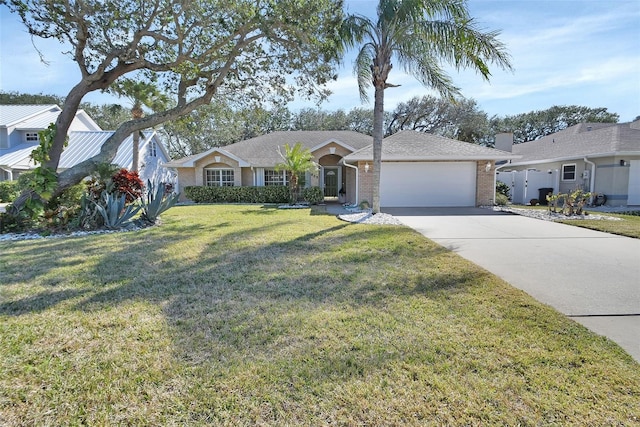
<point>418,169</point>
<point>602,158</point>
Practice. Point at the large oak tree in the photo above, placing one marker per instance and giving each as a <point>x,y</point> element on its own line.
<point>194,50</point>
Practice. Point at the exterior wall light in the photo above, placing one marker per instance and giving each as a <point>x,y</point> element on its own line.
<point>366,167</point>
<point>487,168</point>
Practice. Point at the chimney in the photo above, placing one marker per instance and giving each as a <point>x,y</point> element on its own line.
<point>504,141</point>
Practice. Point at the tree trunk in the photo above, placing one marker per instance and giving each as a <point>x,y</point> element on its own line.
<point>136,151</point>
<point>378,119</point>
<point>63,122</point>
<point>136,113</point>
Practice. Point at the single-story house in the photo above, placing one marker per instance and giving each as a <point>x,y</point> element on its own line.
<point>601,158</point>
<point>418,169</point>
<point>20,124</point>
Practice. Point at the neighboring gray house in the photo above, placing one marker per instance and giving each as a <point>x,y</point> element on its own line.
<point>418,169</point>
<point>19,127</point>
<point>602,158</point>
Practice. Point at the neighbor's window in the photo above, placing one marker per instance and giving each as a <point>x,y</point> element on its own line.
<point>569,172</point>
<point>32,136</point>
<point>218,177</point>
<point>153,149</point>
<point>271,177</point>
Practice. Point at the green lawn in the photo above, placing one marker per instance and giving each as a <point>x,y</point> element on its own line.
<point>243,315</point>
<point>629,225</point>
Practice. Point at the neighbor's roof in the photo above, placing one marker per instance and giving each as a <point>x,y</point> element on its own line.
<point>410,145</point>
<point>86,144</point>
<point>17,157</point>
<point>583,140</point>
<point>82,146</point>
<point>262,151</point>
<point>20,115</point>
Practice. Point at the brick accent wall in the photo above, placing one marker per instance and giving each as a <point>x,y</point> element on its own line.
<point>365,182</point>
<point>484,183</point>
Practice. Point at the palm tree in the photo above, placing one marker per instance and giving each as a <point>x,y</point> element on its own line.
<point>141,94</point>
<point>296,160</point>
<point>419,34</point>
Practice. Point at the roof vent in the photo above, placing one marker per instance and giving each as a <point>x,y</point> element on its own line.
<point>589,128</point>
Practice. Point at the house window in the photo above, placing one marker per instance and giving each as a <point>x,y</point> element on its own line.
<point>569,172</point>
<point>153,149</point>
<point>271,177</point>
<point>32,136</point>
<point>218,177</point>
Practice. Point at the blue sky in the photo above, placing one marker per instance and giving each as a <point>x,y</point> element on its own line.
<point>565,52</point>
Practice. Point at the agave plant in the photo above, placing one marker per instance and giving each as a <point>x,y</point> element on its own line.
<point>115,212</point>
<point>157,201</point>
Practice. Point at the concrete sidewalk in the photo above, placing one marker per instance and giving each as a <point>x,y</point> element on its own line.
<point>590,276</point>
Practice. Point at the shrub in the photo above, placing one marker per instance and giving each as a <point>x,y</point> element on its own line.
<point>268,194</point>
<point>501,199</point>
<point>8,191</point>
<point>313,195</point>
<point>128,183</point>
<point>502,188</point>
<point>65,208</point>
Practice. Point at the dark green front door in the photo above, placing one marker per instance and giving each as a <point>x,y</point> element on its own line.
<point>330,182</point>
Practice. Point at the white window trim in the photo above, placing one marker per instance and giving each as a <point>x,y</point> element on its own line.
<point>284,177</point>
<point>220,182</point>
<point>153,149</point>
<point>575,172</point>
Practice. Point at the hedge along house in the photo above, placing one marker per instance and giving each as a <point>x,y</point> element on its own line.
<point>418,169</point>
<point>601,158</point>
<point>252,162</point>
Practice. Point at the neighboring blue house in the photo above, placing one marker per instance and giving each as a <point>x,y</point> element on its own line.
<point>20,124</point>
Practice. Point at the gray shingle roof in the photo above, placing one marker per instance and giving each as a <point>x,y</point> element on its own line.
<point>585,139</point>
<point>262,151</point>
<point>411,146</point>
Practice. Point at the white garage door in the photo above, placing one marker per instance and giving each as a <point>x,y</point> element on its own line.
<point>634,183</point>
<point>427,184</point>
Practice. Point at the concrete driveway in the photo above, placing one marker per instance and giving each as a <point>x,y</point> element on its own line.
<point>590,276</point>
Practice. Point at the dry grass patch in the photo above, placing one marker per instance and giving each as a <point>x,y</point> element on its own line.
<point>241,315</point>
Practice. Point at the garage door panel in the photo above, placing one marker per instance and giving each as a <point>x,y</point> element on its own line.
<point>634,183</point>
<point>427,184</point>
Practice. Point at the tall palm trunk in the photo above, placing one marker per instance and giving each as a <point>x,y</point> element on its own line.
<point>136,113</point>
<point>378,119</point>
